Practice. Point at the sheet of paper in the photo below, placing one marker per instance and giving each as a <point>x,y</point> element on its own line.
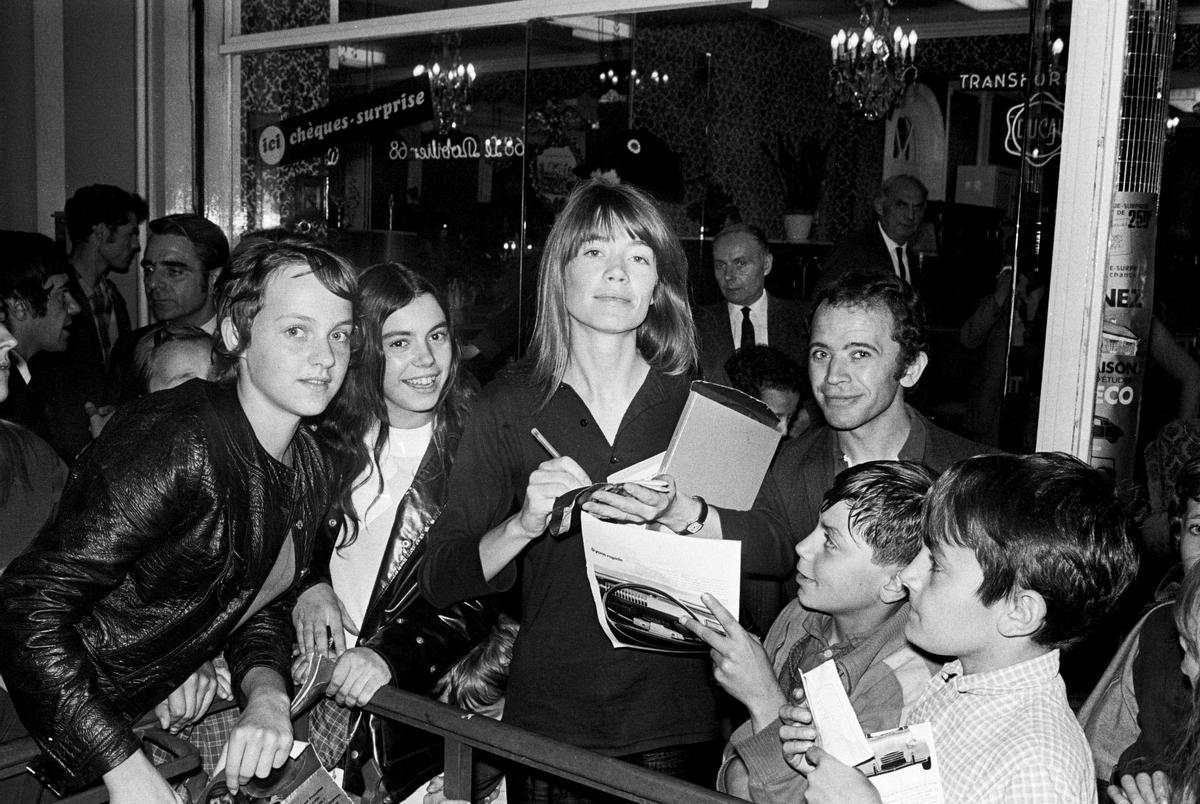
<point>905,769</point>
<point>642,581</point>
<point>833,716</point>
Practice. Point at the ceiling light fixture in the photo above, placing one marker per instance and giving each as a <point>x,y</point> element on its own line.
<point>871,69</point>
<point>450,85</point>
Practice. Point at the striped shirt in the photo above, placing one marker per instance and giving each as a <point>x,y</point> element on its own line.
<point>1007,735</point>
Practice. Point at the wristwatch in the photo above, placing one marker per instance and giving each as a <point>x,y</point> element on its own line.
<point>694,527</point>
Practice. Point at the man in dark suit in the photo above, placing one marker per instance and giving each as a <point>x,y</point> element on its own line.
<point>749,316</point>
<point>38,307</point>
<point>103,223</point>
<point>886,246</point>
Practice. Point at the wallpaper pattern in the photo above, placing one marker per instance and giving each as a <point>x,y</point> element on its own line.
<point>274,86</point>
<point>766,79</point>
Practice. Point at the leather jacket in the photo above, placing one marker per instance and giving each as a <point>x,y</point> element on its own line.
<point>167,529</point>
<point>418,641</point>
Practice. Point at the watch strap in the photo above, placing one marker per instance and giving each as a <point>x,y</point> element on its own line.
<point>694,527</point>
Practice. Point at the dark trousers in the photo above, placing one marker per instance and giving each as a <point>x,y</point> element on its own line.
<point>693,763</point>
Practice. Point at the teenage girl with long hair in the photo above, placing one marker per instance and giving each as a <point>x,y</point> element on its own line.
<point>393,430</point>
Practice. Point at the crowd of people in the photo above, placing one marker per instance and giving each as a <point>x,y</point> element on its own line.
<point>293,461</point>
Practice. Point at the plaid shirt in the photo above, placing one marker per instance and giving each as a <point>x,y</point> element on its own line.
<point>1007,736</point>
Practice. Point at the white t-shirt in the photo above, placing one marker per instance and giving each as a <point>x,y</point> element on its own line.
<point>354,568</point>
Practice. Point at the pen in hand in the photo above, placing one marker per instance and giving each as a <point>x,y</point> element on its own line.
<point>546,445</point>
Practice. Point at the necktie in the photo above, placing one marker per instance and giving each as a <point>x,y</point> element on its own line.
<point>103,309</point>
<point>747,328</point>
<point>902,265</point>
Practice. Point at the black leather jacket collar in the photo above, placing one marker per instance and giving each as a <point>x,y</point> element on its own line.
<point>418,641</point>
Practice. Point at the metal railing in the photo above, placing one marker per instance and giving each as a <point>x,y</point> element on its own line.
<point>464,734</point>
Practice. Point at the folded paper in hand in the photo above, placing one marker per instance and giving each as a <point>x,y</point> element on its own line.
<point>901,763</point>
<point>833,716</point>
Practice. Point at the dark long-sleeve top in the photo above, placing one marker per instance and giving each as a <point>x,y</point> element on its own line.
<point>567,681</point>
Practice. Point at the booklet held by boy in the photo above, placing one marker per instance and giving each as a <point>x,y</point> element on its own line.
<point>901,763</point>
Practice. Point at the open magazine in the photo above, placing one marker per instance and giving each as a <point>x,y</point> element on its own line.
<point>644,581</point>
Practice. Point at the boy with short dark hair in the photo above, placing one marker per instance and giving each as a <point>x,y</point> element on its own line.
<point>1023,555</point>
<point>850,607</point>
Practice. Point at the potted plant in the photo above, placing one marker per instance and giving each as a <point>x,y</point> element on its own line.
<point>800,163</point>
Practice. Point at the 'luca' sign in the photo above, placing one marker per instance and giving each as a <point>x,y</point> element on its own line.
<point>404,103</point>
<point>1043,116</point>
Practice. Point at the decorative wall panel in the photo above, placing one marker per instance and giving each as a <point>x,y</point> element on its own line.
<point>276,85</point>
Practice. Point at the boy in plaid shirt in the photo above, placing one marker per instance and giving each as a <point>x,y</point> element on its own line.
<point>1022,555</point>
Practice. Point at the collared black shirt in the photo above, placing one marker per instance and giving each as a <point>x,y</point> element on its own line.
<point>567,681</point>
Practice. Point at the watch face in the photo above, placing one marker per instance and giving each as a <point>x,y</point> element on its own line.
<point>693,527</point>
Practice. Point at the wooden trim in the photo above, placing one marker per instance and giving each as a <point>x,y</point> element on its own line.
<point>515,12</point>
<point>222,122</point>
<point>1084,211</point>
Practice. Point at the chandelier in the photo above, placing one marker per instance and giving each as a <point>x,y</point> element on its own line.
<point>869,72</point>
<point>450,85</point>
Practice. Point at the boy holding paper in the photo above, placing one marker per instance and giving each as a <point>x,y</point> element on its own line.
<point>850,608</point>
<point>1022,555</point>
